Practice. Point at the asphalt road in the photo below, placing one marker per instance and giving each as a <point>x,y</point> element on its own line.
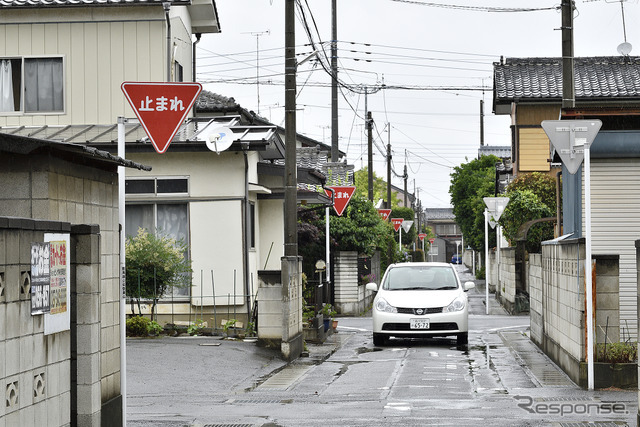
<point>500,379</point>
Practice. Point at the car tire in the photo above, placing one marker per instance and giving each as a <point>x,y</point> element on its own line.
<point>379,340</point>
<point>463,338</point>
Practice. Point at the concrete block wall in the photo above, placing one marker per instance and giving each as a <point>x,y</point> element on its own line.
<point>86,317</point>
<point>35,369</point>
<point>351,297</point>
<point>607,298</point>
<point>507,278</point>
<point>534,267</point>
<point>47,187</point>
<point>345,278</point>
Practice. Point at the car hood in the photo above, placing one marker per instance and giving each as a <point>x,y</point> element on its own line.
<point>420,299</point>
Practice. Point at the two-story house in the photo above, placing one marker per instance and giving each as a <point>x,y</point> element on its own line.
<point>61,67</point>
<point>606,88</point>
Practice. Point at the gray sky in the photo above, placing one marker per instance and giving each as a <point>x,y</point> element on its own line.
<point>404,44</point>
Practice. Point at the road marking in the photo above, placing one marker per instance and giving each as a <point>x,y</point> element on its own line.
<point>354,329</point>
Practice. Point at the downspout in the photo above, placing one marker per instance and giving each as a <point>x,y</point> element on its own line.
<point>167,7</point>
<point>247,231</point>
<point>193,55</point>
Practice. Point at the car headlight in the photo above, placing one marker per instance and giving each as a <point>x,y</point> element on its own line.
<point>383,305</point>
<point>457,305</point>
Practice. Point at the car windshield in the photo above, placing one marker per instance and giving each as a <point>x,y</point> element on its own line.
<point>420,278</point>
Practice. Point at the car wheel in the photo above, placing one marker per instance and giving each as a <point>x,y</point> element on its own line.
<point>379,340</point>
<point>463,338</point>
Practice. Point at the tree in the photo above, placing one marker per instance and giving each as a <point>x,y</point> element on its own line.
<point>409,215</point>
<point>155,265</point>
<point>361,178</point>
<point>470,183</point>
<point>531,196</point>
<point>360,229</point>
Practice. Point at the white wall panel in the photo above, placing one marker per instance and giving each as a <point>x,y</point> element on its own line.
<point>615,213</point>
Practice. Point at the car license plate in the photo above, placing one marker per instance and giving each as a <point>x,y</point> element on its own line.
<point>419,324</point>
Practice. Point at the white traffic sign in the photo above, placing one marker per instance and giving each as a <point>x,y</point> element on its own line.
<point>496,206</point>
<point>406,225</point>
<point>569,137</point>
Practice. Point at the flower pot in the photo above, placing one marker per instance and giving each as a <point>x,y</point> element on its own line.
<point>327,323</point>
<point>335,325</point>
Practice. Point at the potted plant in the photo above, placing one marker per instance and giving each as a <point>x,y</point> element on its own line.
<point>328,313</point>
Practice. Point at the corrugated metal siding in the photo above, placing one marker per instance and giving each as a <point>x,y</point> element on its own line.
<point>533,150</point>
<point>615,226</point>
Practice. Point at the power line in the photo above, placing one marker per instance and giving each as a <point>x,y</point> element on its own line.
<point>479,8</point>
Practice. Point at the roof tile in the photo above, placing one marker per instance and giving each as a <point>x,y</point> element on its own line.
<point>541,78</point>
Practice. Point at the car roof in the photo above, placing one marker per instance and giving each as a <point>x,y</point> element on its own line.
<point>421,264</point>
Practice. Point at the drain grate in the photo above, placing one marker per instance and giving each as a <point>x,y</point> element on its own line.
<point>285,378</point>
<point>566,399</point>
<point>591,424</point>
<point>228,425</point>
<point>258,401</point>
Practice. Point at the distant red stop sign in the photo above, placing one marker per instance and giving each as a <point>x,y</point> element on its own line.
<point>342,197</point>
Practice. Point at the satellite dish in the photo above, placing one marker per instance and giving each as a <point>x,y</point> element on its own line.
<point>624,48</point>
<point>219,139</point>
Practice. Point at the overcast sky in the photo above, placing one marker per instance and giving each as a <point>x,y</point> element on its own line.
<point>437,55</point>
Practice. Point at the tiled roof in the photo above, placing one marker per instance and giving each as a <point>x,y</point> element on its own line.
<point>69,3</point>
<point>496,150</point>
<point>608,77</point>
<point>439,213</point>
<point>209,101</point>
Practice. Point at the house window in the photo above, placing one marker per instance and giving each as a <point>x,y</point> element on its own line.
<point>32,85</point>
<point>167,219</point>
<point>157,186</point>
<point>178,72</point>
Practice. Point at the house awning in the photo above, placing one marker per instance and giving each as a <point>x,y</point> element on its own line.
<point>191,136</point>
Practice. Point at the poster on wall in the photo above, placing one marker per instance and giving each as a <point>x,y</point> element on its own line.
<point>40,278</point>
<point>58,319</point>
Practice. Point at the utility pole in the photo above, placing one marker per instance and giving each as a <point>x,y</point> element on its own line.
<point>369,125</point>
<point>334,83</point>
<point>389,167</point>
<point>568,84</point>
<point>481,123</point>
<point>290,184</point>
<point>405,176</point>
<point>390,253</point>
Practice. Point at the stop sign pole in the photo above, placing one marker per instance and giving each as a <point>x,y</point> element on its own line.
<point>572,140</point>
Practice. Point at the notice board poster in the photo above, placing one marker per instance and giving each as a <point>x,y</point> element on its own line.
<point>40,278</point>
<point>58,318</point>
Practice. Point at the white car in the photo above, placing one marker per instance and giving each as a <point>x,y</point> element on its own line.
<point>420,299</point>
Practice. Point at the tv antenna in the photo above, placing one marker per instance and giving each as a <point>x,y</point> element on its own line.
<point>625,47</point>
<point>257,34</point>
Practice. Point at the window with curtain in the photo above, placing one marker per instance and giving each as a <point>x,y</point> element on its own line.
<point>31,85</point>
<point>168,219</point>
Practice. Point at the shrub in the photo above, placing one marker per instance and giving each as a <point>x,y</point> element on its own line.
<point>138,326</point>
<point>617,352</point>
<point>155,328</point>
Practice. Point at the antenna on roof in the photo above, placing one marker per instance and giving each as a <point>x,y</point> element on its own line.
<point>624,48</point>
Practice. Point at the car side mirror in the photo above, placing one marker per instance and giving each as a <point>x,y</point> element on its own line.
<point>469,285</point>
<point>372,287</point>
